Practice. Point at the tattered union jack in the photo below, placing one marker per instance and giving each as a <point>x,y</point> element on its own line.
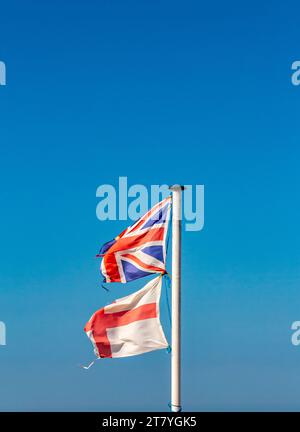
<point>140,250</point>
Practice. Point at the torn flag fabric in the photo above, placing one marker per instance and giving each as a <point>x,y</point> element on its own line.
<point>140,250</point>
<point>130,325</point>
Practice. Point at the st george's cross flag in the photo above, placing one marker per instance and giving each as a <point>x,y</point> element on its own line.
<point>140,250</point>
<point>130,325</point>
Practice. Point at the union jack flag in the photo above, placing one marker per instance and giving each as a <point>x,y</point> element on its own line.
<point>140,250</point>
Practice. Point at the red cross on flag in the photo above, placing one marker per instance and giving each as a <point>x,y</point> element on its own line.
<point>130,325</point>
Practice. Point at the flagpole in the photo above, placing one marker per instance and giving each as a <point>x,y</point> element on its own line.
<point>176,299</point>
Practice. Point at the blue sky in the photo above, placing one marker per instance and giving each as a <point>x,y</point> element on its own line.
<point>160,92</point>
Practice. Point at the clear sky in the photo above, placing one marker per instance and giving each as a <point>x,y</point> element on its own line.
<point>162,92</point>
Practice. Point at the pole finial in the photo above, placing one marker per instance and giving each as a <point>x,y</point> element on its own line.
<point>176,187</point>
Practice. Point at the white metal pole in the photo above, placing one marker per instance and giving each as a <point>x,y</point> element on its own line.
<point>176,300</point>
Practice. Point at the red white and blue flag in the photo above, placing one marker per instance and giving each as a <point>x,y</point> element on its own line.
<point>140,250</point>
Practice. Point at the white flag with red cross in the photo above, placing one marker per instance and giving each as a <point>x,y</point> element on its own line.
<point>130,325</point>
